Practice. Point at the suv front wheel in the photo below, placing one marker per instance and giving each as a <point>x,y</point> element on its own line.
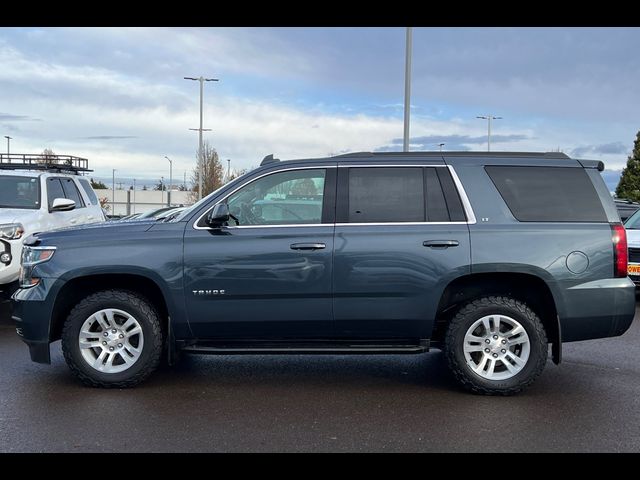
<point>112,339</point>
<point>496,346</point>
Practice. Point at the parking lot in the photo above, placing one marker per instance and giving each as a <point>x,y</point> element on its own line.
<point>322,403</point>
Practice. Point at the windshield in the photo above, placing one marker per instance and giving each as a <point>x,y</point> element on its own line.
<point>633,222</point>
<point>19,192</point>
<point>185,213</point>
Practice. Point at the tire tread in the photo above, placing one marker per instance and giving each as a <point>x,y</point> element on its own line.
<point>129,297</point>
<point>453,332</point>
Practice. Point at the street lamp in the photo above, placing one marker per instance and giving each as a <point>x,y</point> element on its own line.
<point>113,191</point>
<point>489,118</point>
<point>441,145</point>
<point>161,190</point>
<point>200,130</point>
<point>134,195</point>
<point>407,89</point>
<point>8,142</point>
<point>170,180</point>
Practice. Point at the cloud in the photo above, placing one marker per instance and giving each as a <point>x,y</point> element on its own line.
<point>277,85</point>
<point>611,178</point>
<point>601,149</point>
<point>8,117</point>
<point>451,142</point>
<point>109,137</point>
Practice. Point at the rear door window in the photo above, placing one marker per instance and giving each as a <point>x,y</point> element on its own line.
<point>548,194</point>
<point>86,186</point>
<point>398,195</point>
<point>382,195</point>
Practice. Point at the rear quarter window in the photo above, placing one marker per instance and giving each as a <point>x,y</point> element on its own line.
<point>86,186</point>
<point>548,194</point>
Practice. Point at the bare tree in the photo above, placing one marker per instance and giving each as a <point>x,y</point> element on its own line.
<point>212,173</point>
<point>47,157</point>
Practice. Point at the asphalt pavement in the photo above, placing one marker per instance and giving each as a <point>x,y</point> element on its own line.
<point>257,403</point>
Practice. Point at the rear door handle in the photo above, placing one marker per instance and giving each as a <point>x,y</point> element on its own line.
<point>440,243</point>
<point>307,246</point>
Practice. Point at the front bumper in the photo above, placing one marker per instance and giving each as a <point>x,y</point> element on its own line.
<point>32,311</point>
<point>9,272</point>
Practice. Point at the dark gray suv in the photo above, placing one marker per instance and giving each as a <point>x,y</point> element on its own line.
<point>490,256</point>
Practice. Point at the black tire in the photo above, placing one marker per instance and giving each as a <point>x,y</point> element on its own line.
<point>132,303</point>
<point>466,316</point>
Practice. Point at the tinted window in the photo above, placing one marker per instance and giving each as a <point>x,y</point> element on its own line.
<point>436,204</point>
<point>454,204</point>
<point>54,190</point>
<point>19,192</point>
<point>71,191</point>
<point>89,191</point>
<point>381,194</point>
<point>548,194</point>
<point>286,198</point>
<point>633,222</point>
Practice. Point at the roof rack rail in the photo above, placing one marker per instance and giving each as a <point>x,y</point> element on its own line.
<point>465,153</point>
<point>44,162</point>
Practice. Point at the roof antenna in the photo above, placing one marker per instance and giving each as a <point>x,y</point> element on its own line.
<point>269,159</point>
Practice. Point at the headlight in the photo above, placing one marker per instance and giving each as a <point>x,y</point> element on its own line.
<point>11,231</point>
<point>32,256</point>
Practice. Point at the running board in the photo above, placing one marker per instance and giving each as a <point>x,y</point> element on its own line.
<point>305,349</point>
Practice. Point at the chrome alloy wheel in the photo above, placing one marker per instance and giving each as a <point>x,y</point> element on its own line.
<point>496,347</point>
<point>111,340</point>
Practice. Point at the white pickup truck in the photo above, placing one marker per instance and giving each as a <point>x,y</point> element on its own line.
<point>37,196</point>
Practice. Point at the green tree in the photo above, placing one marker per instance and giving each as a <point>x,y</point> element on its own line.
<point>97,184</point>
<point>629,184</point>
<point>212,172</point>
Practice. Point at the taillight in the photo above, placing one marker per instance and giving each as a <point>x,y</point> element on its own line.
<point>620,255</point>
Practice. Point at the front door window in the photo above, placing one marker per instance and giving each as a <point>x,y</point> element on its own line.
<point>286,198</point>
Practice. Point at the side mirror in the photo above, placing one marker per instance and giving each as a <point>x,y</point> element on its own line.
<point>218,215</point>
<point>62,205</point>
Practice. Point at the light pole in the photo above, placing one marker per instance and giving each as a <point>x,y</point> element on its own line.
<point>407,89</point>
<point>161,190</point>
<point>170,180</point>
<point>441,145</point>
<point>134,195</point>
<point>200,130</point>
<point>8,143</point>
<point>113,191</point>
<point>228,169</point>
<point>489,118</point>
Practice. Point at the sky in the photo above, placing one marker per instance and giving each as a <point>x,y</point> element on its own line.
<point>117,95</point>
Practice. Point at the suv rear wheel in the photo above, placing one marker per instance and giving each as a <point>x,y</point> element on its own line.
<point>496,346</point>
<point>112,339</point>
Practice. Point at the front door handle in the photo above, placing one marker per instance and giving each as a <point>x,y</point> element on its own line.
<point>440,243</point>
<point>307,246</point>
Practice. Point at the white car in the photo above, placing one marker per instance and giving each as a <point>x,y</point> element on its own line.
<point>37,201</point>
<point>632,226</point>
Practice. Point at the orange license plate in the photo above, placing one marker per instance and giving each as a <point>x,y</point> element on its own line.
<point>633,269</point>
